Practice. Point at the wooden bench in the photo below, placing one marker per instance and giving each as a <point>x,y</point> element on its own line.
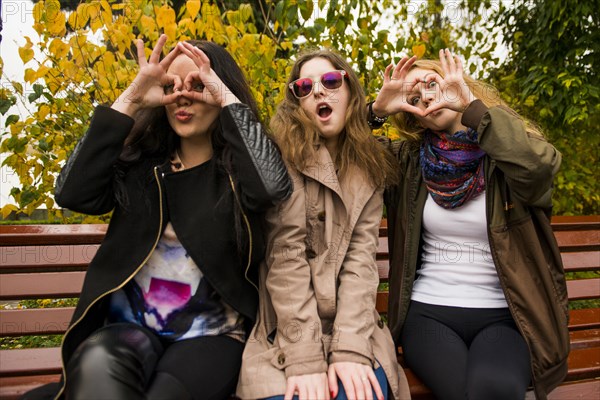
<point>39,262</point>
<point>49,262</point>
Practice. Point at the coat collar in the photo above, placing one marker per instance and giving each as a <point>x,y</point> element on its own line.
<point>353,188</point>
<point>322,169</point>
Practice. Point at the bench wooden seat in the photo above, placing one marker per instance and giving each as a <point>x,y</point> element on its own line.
<point>49,262</point>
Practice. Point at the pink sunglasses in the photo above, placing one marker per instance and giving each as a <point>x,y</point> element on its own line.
<point>330,80</point>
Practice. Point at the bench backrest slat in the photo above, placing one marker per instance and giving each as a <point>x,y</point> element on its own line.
<point>578,240</point>
<point>575,222</point>
<point>46,258</point>
<point>581,261</point>
<point>35,321</point>
<point>19,235</point>
<point>41,286</point>
<point>584,319</point>
<point>582,289</point>
<point>573,262</point>
<point>31,362</point>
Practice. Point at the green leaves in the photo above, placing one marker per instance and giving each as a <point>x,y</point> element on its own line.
<point>38,91</point>
<point>11,119</point>
<point>554,61</point>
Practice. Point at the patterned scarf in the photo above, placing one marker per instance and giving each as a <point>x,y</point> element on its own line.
<point>452,167</point>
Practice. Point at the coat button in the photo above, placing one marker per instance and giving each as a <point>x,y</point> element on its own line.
<point>321,216</point>
<point>281,359</point>
<point>380,323</point>
<point>310,253</point>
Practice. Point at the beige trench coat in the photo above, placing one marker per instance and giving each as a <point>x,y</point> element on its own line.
<point>318,285</point>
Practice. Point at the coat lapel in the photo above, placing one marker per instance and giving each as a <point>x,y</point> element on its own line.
<point>322,170</point>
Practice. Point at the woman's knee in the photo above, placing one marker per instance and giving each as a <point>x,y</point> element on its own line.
<point>505,386</point>
<point>119,350</point>
<point>120,341</point>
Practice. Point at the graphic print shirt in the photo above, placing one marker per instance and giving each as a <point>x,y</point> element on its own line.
<point>171,297</point>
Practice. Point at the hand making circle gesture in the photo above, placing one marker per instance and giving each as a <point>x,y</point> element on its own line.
<point>147,89</point>
<point>398,91</point>
<point>455,94</point>
<point>393,96</point>
<point>204,84</point>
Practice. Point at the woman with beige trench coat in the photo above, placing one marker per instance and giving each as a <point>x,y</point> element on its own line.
<point>318,334</point>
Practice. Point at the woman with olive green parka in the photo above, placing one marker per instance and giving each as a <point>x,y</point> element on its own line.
<point>478,298</point>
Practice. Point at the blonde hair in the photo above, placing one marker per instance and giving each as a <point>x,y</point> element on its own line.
<point>410,129</point>
<point>297,135</point>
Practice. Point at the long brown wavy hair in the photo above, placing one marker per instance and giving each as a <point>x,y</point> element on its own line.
<point>297,134</point>
<point>410,129</point>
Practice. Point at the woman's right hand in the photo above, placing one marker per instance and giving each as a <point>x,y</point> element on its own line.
<point>147,89</point>
<point>359,380</point>
<point>393,96</point>
<point>309,386</point>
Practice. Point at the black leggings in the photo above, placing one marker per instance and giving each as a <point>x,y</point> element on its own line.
<point>466,353</point>
<point>126,361</point>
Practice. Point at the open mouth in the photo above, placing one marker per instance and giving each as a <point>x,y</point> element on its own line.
<point>324,110</point>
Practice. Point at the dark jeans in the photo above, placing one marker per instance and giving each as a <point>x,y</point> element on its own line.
<point>466,353</point>
<point>126,361</point>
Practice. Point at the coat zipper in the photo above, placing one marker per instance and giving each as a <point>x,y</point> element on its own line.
<point>247,222</point>
<point>64,373</point>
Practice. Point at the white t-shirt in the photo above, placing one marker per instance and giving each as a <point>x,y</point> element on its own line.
<point>457,267</point>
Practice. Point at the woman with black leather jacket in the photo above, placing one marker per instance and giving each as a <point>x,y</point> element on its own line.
<point>187,171</point>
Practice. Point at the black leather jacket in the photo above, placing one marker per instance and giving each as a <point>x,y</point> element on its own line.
<point>87,185</point>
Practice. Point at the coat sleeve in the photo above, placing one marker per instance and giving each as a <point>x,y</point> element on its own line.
<point>392,193</point>
<point>289,284</point>
<point>85,183</point>
<point>259,168</point>
<point>529,162</point>
<point>357,289</point>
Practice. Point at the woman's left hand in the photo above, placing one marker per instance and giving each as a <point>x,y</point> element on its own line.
<point>455,93</point>
<point>212,90</point>
<point>359,380</point>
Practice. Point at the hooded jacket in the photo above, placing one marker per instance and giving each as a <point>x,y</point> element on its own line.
<point>519,169</point>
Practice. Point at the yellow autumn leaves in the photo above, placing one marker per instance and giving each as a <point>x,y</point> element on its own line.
<point>86,56</point>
